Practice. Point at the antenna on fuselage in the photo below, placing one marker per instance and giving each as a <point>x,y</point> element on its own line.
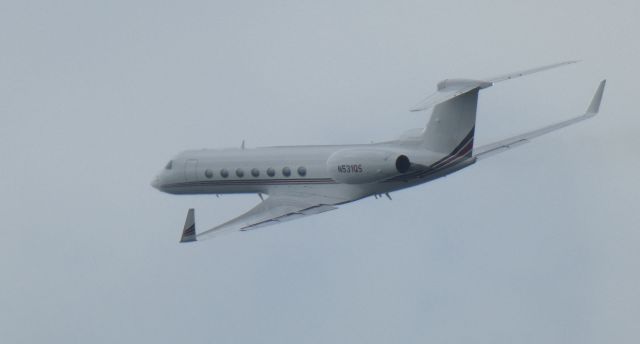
<point>242,145</point>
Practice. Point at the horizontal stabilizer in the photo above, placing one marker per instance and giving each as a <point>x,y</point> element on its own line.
<point>447,90</point>
<point>510,76</point>
<point>451,88</point>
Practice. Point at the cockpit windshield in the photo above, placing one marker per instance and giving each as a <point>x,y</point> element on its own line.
<point>169,165</point>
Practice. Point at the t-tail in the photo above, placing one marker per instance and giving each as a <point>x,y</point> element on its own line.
<point>451,128</point>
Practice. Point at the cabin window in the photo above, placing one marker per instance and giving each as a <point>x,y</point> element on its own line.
<point>286,171</point>
<point>255,172</point>
<point>169,165</point>
<point>224,173</point>
<point>302,171</point>
<point>239,173</point>
<point>208,173</point>
<point>271,172</point>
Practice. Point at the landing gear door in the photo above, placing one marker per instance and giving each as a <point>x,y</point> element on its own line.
<point>191,170</point>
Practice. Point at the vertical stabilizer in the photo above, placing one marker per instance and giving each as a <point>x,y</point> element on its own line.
<point>451,127</point>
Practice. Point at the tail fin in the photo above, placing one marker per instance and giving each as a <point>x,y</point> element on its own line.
<point>452,125</point>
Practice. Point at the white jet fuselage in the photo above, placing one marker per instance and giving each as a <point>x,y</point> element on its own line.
<point>342,171</point>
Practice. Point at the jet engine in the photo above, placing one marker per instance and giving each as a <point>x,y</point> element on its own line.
<point>358,166</point>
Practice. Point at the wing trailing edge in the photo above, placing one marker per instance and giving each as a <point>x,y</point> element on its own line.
<point>272,210</point>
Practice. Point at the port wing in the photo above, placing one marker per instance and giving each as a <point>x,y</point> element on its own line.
<point>273,210</point>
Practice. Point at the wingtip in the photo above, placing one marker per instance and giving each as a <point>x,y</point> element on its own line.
<point>594,106</point>
<point>189,230</point>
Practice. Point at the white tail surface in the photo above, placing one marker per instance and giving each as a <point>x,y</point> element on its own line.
<point>451,127</point>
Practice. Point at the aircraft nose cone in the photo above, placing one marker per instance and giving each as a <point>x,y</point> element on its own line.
<point>155,183</point>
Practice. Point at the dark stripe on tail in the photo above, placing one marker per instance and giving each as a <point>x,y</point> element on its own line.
<point>463,151</point>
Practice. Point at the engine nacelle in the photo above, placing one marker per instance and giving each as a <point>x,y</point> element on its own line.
<point>358,166</point>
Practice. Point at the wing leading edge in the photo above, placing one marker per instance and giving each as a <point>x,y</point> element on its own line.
<point>273,210</point>
<point>501,146</point>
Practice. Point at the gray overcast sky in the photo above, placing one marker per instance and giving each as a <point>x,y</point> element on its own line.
<point>537,245</point>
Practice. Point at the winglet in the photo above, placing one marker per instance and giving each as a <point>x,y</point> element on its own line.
<point>189,231</point>
<point>594,107</point>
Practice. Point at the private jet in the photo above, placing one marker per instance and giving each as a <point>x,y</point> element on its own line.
<point>297,181</point>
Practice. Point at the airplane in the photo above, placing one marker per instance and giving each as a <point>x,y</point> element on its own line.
<point>307,180</point>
